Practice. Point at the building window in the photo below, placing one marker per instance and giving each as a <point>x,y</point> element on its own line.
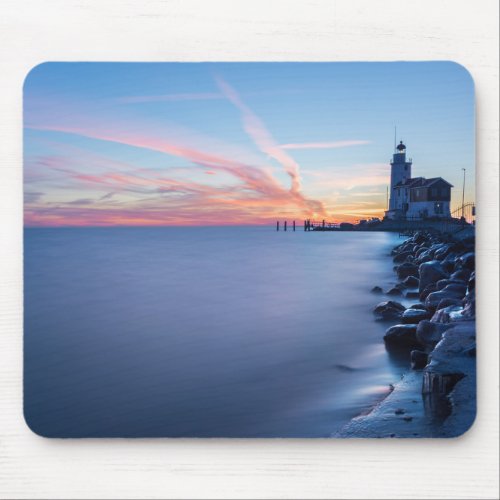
<point>438,208</point>
<point>417,193</point>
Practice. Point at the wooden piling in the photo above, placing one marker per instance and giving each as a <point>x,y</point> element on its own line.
<point>277,225</point>
<point>284,226</point>
<point>294,225</point>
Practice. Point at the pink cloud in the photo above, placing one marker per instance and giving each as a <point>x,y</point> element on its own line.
<point>256,183</point>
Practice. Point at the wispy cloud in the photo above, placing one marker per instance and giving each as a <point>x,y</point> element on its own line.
<point>256,129</point>
<point>193,96</point>
<point>324,145</point>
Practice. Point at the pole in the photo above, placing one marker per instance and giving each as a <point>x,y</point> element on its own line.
<point>284,226</point>
<point>277,225</point>
<point>463,193</point>
<point>294,225</point>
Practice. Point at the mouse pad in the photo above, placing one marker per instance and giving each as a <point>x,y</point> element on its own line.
<point>249,250</point>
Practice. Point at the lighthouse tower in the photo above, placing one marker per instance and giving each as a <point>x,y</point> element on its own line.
<point>400,173</point>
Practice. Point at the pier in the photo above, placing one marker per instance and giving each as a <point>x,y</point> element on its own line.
<point>311,225</point>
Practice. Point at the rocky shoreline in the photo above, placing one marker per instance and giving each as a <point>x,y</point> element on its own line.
<point>436,334</point>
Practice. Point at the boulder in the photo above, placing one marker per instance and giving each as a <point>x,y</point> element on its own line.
<point>419,238</point>
<point>424,257</point>
<point>459,289</point>
<point>411,282</point>
<point>461,274</point>
<point>376,289</point>
<point>418,359</point>
<point>467,261</point>
<point>449,302</point>
<point>429,333</point>
<point>389,310</point>
<point>402,336</point>
<point>401,257</point>
<point>412,295</point>
<point>395,291</point>
<point>420,251</point>
<point>442,251</point>
<point>447,314</point>
<point>470,305</point>
<point>471,284</point>
<point>433,299</point>
<point>418,305</point>
<point>430,272</point>
<point>414,316</point>
<point>431,287</point>
<point>443,283</point>
<point>406,269</point>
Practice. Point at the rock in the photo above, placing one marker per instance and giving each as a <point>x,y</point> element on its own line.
<point>389,310</point>
<point>424,257</point>
<point>461,274</point>
<point>402,336</point>
<point>439,383</point>
<point>418,359</point>
<point>418,305</point>
<point>449,302</point>
<point>401,257</point>
<point>429,334</point>
<point>431,287</point>
<point>470,350</point>
<point>419,238</point>
<point>447,314</point>
<point>420,251</point>
<point>459,289</point>
<point>406,269</point>
<point>471,284</point>
<point>430,272</point>
<point>414,316</point>
<point>449,262</point>
<point>394,291</point>
<point>470,305</point>
<point>376,289</point>
<point>443,283</point>
<point>412,295</point>
<point>411,282</point>
<point>433,299</point>
<point>399,411</point>
<point>442,252</point>
<point>467,261</point>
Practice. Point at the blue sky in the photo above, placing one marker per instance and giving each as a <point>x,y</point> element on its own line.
<point>231,143</point>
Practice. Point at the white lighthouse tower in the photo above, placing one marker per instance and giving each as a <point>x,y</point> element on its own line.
<point>400,175</point>
<point>400,172</point>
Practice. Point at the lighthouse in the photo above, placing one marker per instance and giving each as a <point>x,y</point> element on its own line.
<point>400,173</point>
<point>416,198</point>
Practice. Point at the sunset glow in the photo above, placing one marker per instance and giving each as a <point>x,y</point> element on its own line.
<point>227,144</point>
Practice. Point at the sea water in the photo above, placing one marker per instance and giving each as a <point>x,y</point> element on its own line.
<point>203,331</point>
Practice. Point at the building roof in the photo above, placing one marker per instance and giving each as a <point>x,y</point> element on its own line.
<point>419,182</point>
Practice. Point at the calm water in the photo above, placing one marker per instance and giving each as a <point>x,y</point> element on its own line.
<point>203,331</point>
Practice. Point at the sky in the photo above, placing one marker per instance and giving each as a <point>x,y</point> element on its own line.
<point>237,143</point>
